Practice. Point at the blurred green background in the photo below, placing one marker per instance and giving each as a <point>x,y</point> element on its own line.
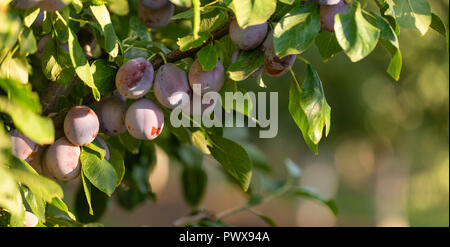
<point>386,160</point>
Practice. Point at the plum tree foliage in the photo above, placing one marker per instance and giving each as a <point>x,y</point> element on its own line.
<point>80,101</point>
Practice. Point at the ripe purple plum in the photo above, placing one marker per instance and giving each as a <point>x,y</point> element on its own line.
<point>275,66</point>
<point>155,18</point>
<point>328,13</point>
<point>247,38</point>
<point>144,120</point>
<point>171,84</point>
<point>51,5</point>
<point>154,4</point>
<point>111,115</point>
<point>104,146</point>
<point>30,219</point>
<point>62,160</point>
<point>210,81</point>
<point>27,150</point>
<point>81,125</point>
<point>135,78</point>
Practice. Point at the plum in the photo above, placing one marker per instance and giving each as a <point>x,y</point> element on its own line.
<point>171,84</point>
<point>30,219</point>
<point>247,38</point>
<point>210,81</point>
<point>81,125</point>
<point>275,66</point>
<point>51,5</point>
<point>144,120</point>
<point>154,4</point>
<point>111,115</point>
<point>104,146</point>
<point>22,146</point>
<point>328,12</point>
<point>135,78</point>
<point>155,18</point>
<point>26,149</point>
<point>25,4</point>
<point>62,160</point>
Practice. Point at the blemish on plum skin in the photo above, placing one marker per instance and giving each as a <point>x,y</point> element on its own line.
<point>156,131</point>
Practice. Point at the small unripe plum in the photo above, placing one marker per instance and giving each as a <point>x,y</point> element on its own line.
<point>328,12</point>
<point>144,120</point>
<point>329,2</point>
<point>171,84</point>
<point>154,4</point>
<point>62,160</point>
<point>24,4</point>
<point>104,146</point>
<point>247,38</point>
<point>210,81</point>
<point>275,66</point>
<point>30,219</point>
<point>155,18</point>
<point>51,5</point>
<point>255,74</point>
<point>81,125</point>
<point>135,78</point>
<point>111,115</point>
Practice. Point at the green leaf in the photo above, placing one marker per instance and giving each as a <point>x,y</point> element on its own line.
<point>10,28</point>
<point>27,41</point>
<point>119,7</point>
<point>233,158</point>
<point>30,16</point>
<point>412,14</point>
<point>10,198</point>
<point>247,63</point>
<point>58,203</point>
<point>212,18</point>
<point>87,193</point>
<point>37,128</point>
<point>251,12</point>
<point>387,33</point>
<point>21,94</point>
<point>81,64</point>
<point>207,57</point>
<point>37,205</point>
<point>310,193</point>
<point>99,172</point>
<point>309,108</point>
<point>296,30</point>
<point>40,186</point>
<point>141,30</point>
<point>189,42</point>
<point>438,25</point>
<point>355,35</point>
<point>15,68</point>
<point>56,63</point>
<point>83,210</point>
<point>269,221</point>
<point>97,147</point>
<point>194,180</point>
<point>104,76</point>
<point>101,14</point>
<point>199,140</point>
<point>130,143</point>
<point>117,161</point>
<point>327,44</point>
<point>77,5</point>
